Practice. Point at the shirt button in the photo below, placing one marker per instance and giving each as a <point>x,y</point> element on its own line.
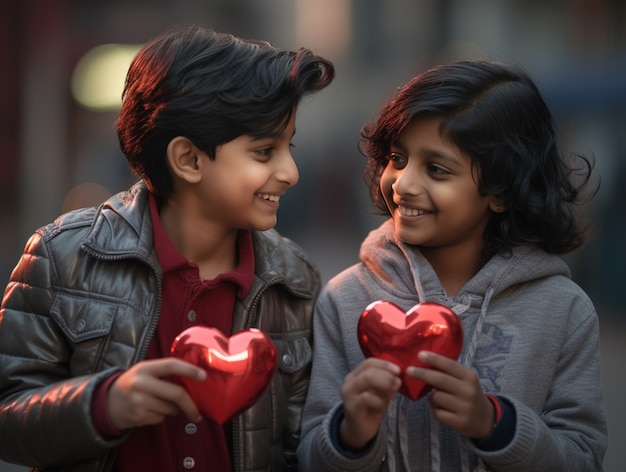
<point>287,359</point>
<point>189,462</point>
<point>191,428</point>
<point>191,316</point>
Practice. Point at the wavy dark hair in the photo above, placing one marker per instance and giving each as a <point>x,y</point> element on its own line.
<point>210,87</point>
<point>496,115</point>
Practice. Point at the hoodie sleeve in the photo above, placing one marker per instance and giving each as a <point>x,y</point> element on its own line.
<point>317,452</point>
<point>570,433</point>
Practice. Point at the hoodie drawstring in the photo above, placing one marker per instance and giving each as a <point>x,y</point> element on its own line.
<point>467,360</point>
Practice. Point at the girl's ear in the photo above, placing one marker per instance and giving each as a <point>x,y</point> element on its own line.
<point>497,205</point>
<point>184,159</point>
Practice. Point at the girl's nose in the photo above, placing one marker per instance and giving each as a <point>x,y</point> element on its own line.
<point>407,183</point>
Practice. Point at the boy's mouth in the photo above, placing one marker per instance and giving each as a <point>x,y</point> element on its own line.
<point>269,197</point>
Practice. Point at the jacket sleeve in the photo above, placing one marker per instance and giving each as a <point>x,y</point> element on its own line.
<point>44,412</point>
<point>330,365</point>
<point>570,433</point>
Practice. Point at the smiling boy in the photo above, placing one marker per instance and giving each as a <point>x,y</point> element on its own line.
<point>97,298</point>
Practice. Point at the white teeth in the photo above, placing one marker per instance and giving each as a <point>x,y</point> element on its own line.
<point>271,198</point>
<point>410,211</point>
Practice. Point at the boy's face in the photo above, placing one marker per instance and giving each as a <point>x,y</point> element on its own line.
<point>431,192</point>
<point>244,183</point>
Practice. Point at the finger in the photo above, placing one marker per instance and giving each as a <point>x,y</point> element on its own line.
<point>374,362</point>
<point>167,397</point>
<point>439,362</point>
<point>176,395</point>
<point>374,378</point>
<point>432,377</point>
<point>173,366</point>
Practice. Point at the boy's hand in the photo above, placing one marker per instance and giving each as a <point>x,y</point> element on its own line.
<point>140,397</point>
<point>458,400</point>
<point>366,392</point>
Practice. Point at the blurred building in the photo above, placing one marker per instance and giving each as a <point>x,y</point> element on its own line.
<point>57,154</point>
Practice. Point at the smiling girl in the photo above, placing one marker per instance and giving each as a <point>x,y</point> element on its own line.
<point>464,161</point>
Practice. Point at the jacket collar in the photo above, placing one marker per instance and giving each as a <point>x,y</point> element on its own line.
<point>122,228</point>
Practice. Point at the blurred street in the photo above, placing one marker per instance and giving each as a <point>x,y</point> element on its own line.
<point>58,153</point>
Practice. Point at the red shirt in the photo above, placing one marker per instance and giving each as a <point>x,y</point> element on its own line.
<point>178,444</point>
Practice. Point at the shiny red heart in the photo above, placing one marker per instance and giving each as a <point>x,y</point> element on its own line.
<point>387,332</point>
<point>238,369</point>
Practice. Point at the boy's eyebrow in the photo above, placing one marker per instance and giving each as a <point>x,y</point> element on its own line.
<point>273,134</point>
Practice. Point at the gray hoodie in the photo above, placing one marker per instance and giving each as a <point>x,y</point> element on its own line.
<point>531,334</point>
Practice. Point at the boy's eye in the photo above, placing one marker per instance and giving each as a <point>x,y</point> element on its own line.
<point>265,152</point>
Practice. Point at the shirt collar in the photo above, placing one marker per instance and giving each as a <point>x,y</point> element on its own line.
<point>171,259</point>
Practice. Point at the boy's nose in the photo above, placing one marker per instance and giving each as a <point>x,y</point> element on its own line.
<point>288,170</point>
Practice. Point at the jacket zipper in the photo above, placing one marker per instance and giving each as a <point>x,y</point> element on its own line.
<point>237,458</point>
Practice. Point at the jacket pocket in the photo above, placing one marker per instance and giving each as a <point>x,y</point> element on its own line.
<point>81,318</point>
<point>294,354</point>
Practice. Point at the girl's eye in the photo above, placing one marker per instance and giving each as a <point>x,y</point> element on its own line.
<point>397,160</point>
<point>435,169</point>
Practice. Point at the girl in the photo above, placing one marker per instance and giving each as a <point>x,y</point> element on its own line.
<point>464,160</point>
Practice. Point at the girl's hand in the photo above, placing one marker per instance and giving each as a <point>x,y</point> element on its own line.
<point>457,400</point>
<point>366,392</point>
<point>140,397</point>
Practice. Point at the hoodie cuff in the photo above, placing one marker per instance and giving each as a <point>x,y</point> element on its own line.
<point>504,427</point>
<point>335,428</point>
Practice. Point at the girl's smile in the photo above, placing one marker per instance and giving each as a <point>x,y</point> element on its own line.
<point>430,189</point>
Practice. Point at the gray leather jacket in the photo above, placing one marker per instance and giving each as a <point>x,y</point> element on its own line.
<point>83,302</point>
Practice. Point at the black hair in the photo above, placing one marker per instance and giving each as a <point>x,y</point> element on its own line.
<point>495,114</point>
<point>210,87</point>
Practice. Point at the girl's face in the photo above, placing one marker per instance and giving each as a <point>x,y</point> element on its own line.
<point>243,185</point>
<point>432,195</point>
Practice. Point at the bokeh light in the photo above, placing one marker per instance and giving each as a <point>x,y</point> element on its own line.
<point>98,79</point>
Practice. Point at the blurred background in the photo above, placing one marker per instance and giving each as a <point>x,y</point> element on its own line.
<point>63,65</point>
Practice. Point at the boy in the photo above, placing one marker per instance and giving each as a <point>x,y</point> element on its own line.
<point>99,295</point>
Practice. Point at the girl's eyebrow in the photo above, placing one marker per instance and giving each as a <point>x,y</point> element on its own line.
<point>437,154</point>
<point>431,153</point>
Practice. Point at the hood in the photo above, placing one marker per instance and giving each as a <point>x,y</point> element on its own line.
<point>402,270</point>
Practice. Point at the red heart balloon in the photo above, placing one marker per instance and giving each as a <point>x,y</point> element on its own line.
<point>387,332</point>
<point>238,369</point>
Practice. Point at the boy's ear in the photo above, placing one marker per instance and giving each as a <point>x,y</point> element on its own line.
<point>184,159</point>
